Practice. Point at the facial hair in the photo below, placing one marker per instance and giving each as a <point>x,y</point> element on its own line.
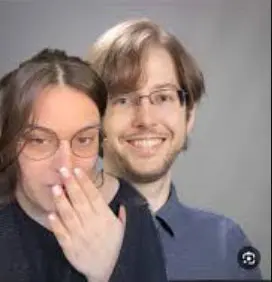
<point>122,168</point>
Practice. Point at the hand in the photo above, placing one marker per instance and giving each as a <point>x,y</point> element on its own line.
<point>88,232</point>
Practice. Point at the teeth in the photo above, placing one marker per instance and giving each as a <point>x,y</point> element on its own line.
<point>146,143</point>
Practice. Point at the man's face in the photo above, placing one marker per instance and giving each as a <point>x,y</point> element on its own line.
<point>143,140</point>
<point>64,111</point>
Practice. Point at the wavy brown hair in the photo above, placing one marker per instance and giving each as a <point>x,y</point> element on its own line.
<point>118,56</point>
<point>18,91</point>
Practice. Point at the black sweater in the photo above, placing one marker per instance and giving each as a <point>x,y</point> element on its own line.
<point>30,253</point>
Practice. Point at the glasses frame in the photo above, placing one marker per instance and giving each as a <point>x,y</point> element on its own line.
<point>135,101</point>
<point>31,128</point>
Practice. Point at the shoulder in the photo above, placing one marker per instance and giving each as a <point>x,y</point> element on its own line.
<point>210,229</point>
<point>9,227</point>
<point>6,218</point>
<point>13,266</point>
<point>215,228</point>
<point>223,236</point>
<point>9,230</point>
<point>208,220</point>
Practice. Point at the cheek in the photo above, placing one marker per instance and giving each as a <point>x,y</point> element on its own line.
<point>31,167</point>
<point>31,171</point>
<point>177,124</point>
<point>88,164</point>
<point>115,125</point>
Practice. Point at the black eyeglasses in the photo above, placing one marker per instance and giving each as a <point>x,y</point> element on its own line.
<point>164,98</point>
<point>41,143</point>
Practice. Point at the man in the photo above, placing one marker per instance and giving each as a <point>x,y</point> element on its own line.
<point>154,87</point>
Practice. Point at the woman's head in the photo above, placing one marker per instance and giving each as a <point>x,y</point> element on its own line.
<point>50,110</point>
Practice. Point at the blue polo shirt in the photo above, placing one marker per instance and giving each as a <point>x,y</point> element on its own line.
<point>199,244</point>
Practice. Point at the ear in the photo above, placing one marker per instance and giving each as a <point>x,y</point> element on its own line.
<point>191,120</point>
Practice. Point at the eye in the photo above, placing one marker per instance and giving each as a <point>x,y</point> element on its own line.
<point>82,140</point>
<point>163,97</point>
<point>38,137</point>
<point>36,140</point>
<point>120,100</point>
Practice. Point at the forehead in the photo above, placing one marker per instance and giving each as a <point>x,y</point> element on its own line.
<point>64,110</point>
<point>158,68</point>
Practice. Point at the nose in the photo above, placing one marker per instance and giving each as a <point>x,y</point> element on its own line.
<point>64,156</point>
<point>144,115</point>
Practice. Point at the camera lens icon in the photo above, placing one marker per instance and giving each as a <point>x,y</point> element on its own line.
<point>249,257</point>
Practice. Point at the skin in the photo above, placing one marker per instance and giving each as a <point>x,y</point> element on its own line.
<point>79,216</point>
<point>142,143</point>
<point>76,112</point>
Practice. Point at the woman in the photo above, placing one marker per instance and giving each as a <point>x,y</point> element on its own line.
<point>55,225</point>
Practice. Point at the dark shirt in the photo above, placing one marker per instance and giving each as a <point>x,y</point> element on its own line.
<point>30,253</point>
<point>199,244</point>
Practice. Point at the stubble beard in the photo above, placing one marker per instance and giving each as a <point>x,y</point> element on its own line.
<point>123,168</point>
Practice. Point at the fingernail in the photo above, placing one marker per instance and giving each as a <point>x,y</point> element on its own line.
<point>52,216</point>
<point>64,172</point>
<point>56,189</point>
<point>77,171</point>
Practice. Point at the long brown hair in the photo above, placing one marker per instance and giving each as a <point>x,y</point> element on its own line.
<point>18,91</point>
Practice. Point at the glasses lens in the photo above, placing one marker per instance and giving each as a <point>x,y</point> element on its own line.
<point>85,143</point>
<point>164,97</point>
<point>39,144</point>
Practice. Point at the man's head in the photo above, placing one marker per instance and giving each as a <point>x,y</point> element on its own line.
<point>50,116</point>
<point>144,135</point>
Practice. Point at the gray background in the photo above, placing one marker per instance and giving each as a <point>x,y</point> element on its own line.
<point>227,167</point>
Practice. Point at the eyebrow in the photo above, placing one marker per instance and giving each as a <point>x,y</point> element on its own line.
<point>35,126</point>
<point>164,85</point>
<point>154,88</point>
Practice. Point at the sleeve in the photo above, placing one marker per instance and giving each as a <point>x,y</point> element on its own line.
<point>236,241</point>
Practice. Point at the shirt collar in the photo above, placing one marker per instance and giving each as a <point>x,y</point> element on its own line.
<point>169,215</point>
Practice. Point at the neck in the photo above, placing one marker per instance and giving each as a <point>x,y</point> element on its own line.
<point>33,211</point>
<point>156,193</point>
<point>109,186</point>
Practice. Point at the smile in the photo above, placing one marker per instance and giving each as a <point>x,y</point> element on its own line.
<point>148,143</point>
<point>145,147</point>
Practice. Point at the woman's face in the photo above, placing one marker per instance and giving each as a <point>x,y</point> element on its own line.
<point>61,113</point>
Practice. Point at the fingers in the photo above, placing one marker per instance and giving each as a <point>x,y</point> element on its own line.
<point>59,230</point>
<point>85,198</point>
<point>64,209</point>
<point>74,191</point>
<point>93,195</point>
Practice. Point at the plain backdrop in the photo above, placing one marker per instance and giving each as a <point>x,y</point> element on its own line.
<point>227,167</point>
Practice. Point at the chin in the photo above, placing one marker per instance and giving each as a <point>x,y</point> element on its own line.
<point>146,176</point>
<point>45,204</point>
